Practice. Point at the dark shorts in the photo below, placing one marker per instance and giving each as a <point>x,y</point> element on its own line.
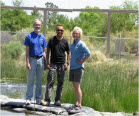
<point>76,75</point>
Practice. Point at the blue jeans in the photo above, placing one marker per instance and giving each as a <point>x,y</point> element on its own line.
<point>36,68</point>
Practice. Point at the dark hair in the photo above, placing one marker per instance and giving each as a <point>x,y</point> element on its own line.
<point>59,25</point>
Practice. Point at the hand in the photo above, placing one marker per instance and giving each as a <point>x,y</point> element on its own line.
<point>44,55</point>
<point>28,66</point>
<point>45,67</point>
<point>66,67</point>
<point>79,61</point>
<point>48,66</point>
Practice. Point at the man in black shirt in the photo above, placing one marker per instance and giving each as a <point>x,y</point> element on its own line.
<point>57,45</point>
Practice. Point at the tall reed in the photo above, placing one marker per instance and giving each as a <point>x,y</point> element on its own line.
<point>107,86</point>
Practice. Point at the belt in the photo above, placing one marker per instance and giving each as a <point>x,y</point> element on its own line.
<point>36,57</point>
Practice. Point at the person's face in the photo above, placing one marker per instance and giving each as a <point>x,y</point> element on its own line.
<point>60,30</point>
<point>37,26</point>
<point>76,34</point>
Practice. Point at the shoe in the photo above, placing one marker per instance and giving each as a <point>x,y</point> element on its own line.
<point>57,103</point>
<point>28,102</point>
<point>39,102</point>
<point>75,107</point>
<point>46,103</point>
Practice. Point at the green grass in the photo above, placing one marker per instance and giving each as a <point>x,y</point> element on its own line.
<point>109,87</point>
<point>12,73</point>
<point>106,86</point>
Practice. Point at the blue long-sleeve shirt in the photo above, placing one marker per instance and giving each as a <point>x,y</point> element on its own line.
<point>79,50</point>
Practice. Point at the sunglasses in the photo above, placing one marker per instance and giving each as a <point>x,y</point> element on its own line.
<point>60,30</point>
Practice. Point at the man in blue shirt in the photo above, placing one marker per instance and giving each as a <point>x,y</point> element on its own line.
<point>35,55</point>
<point>79,54</point>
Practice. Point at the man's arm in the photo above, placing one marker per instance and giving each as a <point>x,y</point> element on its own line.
<point>44,55</point>
<point>68,56</point>
<point>27,57</point>
<point>47,58</point>
<point>68,59</point>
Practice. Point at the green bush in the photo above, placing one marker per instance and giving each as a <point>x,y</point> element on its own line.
<point>12,50</point>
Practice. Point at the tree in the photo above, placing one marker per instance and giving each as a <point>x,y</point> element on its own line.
<point>54,19</point>
<point>95,24</point>
<point>36,13</point>
<point>17,2</point>
<point>127,21</point>
<point>92,22</point>
<point>51,16</point>
<point>13,20</point>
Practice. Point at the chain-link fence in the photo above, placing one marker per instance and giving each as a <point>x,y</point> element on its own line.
<point>119,47</point>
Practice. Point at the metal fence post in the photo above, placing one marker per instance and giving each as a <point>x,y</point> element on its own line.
<point>70,37</point>
<point>22,33</point>
<point>108,34</point>
<point>120,46</point>
<point>44,23</point>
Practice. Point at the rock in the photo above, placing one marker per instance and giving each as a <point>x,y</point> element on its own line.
<point>19,110</point>
<point>15,104</point>
<point>18,105</point>
<point>3,100</point>
<point>136,114</point>
<point>53,109</point>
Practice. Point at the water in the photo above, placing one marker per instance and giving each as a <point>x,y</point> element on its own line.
<point>17,91</point>
<point>8,113</point>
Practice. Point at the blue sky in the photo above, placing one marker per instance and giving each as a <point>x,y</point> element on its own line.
<point>70,4</point>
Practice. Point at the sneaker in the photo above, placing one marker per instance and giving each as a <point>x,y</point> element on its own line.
<point>46,103</point>
<point>75,107</point>
<point>28,102</point>
<point>57,103</point>
<point>39,102</point>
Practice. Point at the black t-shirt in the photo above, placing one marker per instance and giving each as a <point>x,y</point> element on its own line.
<point>58,48</point>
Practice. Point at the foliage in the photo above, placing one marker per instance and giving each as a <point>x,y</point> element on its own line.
<point>21,36</point>
<point>12,50</point>
<point>37,14</point>
<point>107,87</point>
<point>13,20</point>
<point>96,56</point>
<point>11,72</point>
<point>126,21</point>
<point>51,16</point>
<point>93,23</point>
<point>54,19</point>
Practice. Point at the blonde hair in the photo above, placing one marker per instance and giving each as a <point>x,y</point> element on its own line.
<point>79,29</point>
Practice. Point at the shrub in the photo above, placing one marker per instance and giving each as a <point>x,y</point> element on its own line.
<point>12,50</point>
<point>96,56</point>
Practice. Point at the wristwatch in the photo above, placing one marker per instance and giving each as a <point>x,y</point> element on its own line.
<point>68,63</point>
